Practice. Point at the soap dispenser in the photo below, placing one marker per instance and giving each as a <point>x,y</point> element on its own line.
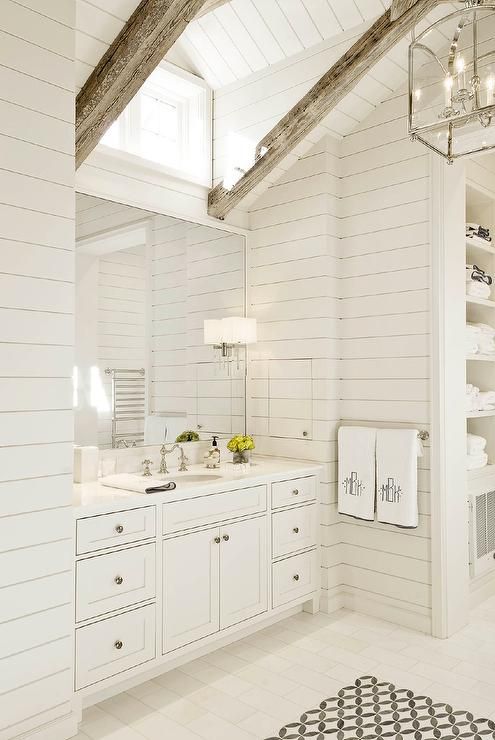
<point>212,457</point>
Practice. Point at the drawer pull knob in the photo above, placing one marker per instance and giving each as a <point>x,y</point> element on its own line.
<point>295,492</point>
<point>119,528</point>
<point>119,580</point>
<point>296,577</point>
<point>217,540</point>
<point>296,530</point>
<point>226,537</point>
<point>119,645</point>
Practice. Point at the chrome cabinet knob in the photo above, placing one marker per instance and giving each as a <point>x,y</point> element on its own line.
<point>119,528</point>
<point>119,580</point>
<point>296,530</point>
<point>217,540</point>
<point>226,537</point>
<point>295,492</point>
<point>118,645</point>
<point>305,434</point>
<point>296,577</point>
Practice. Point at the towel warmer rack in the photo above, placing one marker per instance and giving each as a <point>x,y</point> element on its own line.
<point>128,405</point>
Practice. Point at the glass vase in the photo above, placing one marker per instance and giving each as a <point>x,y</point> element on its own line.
<point>242,457</point>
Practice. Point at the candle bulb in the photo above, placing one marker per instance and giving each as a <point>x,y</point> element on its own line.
<point>461,73</point>
<point>490,87</point>
<point>448,83</point>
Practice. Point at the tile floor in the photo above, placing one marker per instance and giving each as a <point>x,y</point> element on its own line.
<point>250,689</point>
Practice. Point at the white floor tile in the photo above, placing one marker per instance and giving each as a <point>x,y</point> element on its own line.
<point>250,689</point>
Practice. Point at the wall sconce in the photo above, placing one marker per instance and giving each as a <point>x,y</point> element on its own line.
<point>229,333</point>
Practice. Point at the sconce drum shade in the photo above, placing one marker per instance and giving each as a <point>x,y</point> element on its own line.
<point>452,82</point>
<point>239,330</point>
<point>213,331</point>
<point>231,330</point>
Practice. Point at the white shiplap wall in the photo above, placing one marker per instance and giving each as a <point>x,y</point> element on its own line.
<point>385,345</point>
<point>36,338</point>
<point>294,294</point>
<point>340,282</point>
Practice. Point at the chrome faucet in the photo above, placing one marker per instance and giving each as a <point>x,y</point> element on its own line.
<point>183,461</point>
<point>163,463</point>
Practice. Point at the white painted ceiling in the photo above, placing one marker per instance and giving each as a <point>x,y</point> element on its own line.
<point>237,39</point>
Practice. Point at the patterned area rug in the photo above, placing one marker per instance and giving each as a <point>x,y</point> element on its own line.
<point>371,709</point>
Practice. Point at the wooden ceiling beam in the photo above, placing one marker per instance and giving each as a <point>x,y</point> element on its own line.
<point>335,84</point>
<point>399,7</point>
<point>211,5</point>
<point>139,48</point>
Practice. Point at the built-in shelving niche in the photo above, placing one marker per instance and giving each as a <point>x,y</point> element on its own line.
<point>480,370</point>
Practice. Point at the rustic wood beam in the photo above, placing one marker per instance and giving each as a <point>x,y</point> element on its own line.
<point>211,5</point>
<point>318,102</point>
<point>399,7</point>
<point>139,48</point>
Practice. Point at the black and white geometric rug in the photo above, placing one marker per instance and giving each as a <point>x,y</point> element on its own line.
<point>372,709</point>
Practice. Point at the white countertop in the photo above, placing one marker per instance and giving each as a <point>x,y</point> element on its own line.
<point>94,498</point>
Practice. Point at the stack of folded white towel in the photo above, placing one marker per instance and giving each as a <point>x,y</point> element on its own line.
<point>480,339</point>
<point>477,282</point>
<point>476,455</point>
<point>477,400</point>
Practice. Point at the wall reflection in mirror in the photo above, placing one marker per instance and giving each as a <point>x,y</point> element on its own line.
<point>145,285</point>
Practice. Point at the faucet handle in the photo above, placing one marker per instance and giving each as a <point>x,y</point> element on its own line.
<point>147,471</point>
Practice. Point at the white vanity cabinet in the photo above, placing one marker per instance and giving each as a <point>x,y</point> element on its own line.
<point>159,582</point>
<point>191,588</point>
<point>221,576</point>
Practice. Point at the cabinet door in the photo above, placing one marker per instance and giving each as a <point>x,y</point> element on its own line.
<point>190,588</point>
<point>243,571</point>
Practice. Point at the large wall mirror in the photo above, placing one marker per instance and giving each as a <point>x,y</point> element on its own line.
<point>145,284</point>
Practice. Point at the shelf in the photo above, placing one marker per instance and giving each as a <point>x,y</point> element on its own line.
<point>480,301</point>
<point>481,472</point>
<point>480,358</point>
<point>475,242</point>
<point>479,414</point>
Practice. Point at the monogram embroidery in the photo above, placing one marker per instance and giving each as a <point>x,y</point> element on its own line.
<point>353,486</point>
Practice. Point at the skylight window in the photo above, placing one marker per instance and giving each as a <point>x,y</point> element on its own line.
<point>167,124</point>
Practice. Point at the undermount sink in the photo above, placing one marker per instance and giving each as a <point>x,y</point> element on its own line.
<point>199,478</point>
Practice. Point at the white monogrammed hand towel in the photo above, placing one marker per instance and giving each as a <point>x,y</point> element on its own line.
<point>356,473</point>
<point>397,452</point>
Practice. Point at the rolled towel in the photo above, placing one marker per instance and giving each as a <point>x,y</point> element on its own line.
<point>486,401</point>
<point>474,462</point>
<point>487,347</point>
<point>478,290</point>
<point>475,445</point>
<point>136,483</point>
<point>484,328</point>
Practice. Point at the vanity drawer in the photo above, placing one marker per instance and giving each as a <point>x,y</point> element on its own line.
<point>218,507</point>
<point>109,582</point>
<point>114,645</point>
<point>295,491</point>
<point>294,529</point>
<point>119,528</point>
<point>295,577</point>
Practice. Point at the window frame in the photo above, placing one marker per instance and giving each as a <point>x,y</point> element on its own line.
<point>191,109</point>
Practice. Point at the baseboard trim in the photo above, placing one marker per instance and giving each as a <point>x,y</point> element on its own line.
<point>481,589</point>
<point>331,602</point>
<point>387,610</point>
<point>59,729</point>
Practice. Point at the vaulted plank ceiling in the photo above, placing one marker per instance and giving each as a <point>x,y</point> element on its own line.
<point>233,41</point>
